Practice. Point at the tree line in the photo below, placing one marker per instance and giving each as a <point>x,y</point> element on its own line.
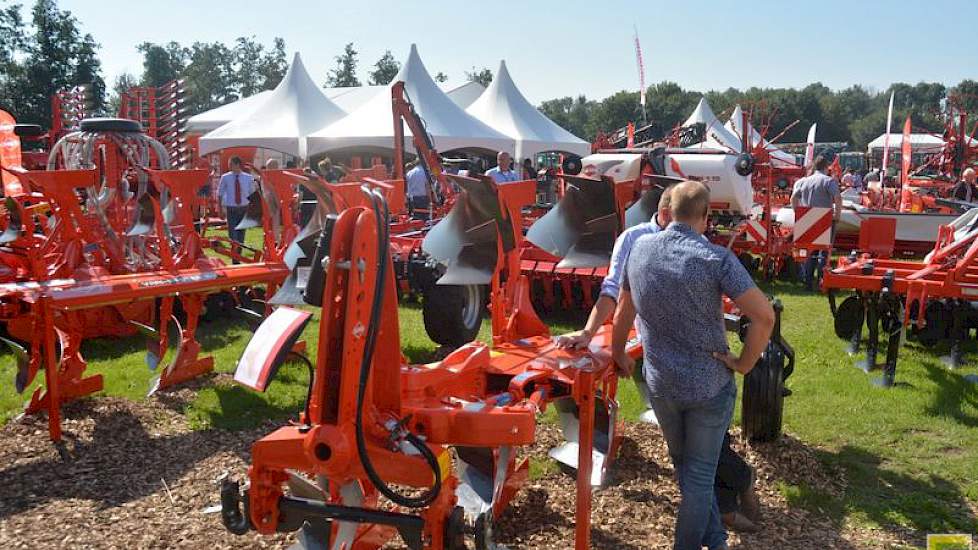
<point>51,52</point>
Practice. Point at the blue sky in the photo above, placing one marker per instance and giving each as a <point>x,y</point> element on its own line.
<point>555,48</point>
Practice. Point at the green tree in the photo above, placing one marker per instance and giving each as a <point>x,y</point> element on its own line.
<point>385,69</point>
<point>210,76</point>
<point>162,63</point>
<point>964,96</point>
<point>482,76</point>
<point>273,64</point>
<point>256,69</point>
<point>345,73</point>
<point>88,72</point>
<point>12,43</point>
<point>55,56</point>
<point>122,84</point>
<point>572,114</point>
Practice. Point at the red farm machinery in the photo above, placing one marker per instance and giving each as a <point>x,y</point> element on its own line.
<point>104,242</point>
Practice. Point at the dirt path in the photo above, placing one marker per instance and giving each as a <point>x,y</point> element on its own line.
<point>135,476</point>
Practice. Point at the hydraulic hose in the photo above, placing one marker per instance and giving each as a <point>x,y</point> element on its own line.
<point>379,205</point>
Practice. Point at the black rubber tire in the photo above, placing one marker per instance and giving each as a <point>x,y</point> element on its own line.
<point>446,319</point>
<point>118,125</point>
<point>849,317</point>
<point>762,404</point>
<point>28,130</point>
<point>571,165</point>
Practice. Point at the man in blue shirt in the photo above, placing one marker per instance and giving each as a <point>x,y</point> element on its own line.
<point>675,280</point>
<point>503,172</point>
<point>233,191</point>
<point>416,189</point>
<point>611,285</point>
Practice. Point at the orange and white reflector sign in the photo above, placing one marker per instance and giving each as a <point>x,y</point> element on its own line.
<point>756,231</point>
<point>813,227</point>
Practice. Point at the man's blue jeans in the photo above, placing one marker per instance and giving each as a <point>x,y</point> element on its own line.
<point>694,432</point>
<point>812,268</point>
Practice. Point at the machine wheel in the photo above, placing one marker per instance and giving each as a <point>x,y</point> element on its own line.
<point>453,313</point>
<point>849,317</point>
<point>762,404</point>
<point>123,125</point>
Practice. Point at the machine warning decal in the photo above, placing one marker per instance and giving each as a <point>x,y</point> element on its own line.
<point>179,280</point>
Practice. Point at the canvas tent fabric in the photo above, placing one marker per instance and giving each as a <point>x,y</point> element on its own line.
<point>921,143</point>
<point>717,135</point>
<point>293,110</point>
<point>503,107</point>
<point>219,116</point>
<point>464,94</point>
<point>371,127</point>
<point>349,99</point>
<point>778,156</point>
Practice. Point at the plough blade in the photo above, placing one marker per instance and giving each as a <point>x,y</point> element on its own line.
<point>465,240</point>
<point>253,216</point>
<point>605,424</point>
<point>583,225</point>
<point>647,205</point>
<point>145,219</point>
<point>24,376</point>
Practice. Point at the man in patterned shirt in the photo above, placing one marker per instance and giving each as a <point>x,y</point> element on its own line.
<point>674,280</point>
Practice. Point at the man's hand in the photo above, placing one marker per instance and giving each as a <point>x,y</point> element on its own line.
<point>732,362</point>
<point>574,340</point>
<point>625,364</point>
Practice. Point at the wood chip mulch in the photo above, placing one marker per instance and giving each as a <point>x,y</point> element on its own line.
<point>134,475</point>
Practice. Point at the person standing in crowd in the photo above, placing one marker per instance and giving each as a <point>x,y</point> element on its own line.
<point>329,171</point>
<point>847,179</point>
<point>857,181</point>
<point>417,184</point>
<point>503,171</point>
<point>528,172</point>
<point>675,281</point>
<point>233,191</point>
<point>965,189</point>
<point>818,190</point>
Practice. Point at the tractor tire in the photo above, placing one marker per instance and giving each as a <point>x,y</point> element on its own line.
<point>119,125</point>
<point>762,405</point>
<point>453,313</point>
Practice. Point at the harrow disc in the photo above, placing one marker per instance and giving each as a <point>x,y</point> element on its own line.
<point>849,317</point>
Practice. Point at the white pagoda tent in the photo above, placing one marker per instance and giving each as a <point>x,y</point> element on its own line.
<point>716,134</point>
<point>219,116</point>
<point>283,121</point>
<point>463,94</point>
<point>371,126</point>
<point>778,156</point>
<point>503,107</point>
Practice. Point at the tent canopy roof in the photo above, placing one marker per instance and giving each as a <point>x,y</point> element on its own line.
<point>219,116</point>
<point>503,107</point>
<point>372,125</point>
<point>717,135</point>
<point>282,122</point>
<point>918,142</point>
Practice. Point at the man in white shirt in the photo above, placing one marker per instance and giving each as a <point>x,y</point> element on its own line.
<point>503,171</point>
<point>233,191</point>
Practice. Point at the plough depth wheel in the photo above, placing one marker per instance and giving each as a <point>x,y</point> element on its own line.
<point>453,313</point>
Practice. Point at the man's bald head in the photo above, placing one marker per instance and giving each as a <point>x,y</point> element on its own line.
<point>690,202</point>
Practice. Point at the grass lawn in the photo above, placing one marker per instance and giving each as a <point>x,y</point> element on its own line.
<point>909,453</point>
